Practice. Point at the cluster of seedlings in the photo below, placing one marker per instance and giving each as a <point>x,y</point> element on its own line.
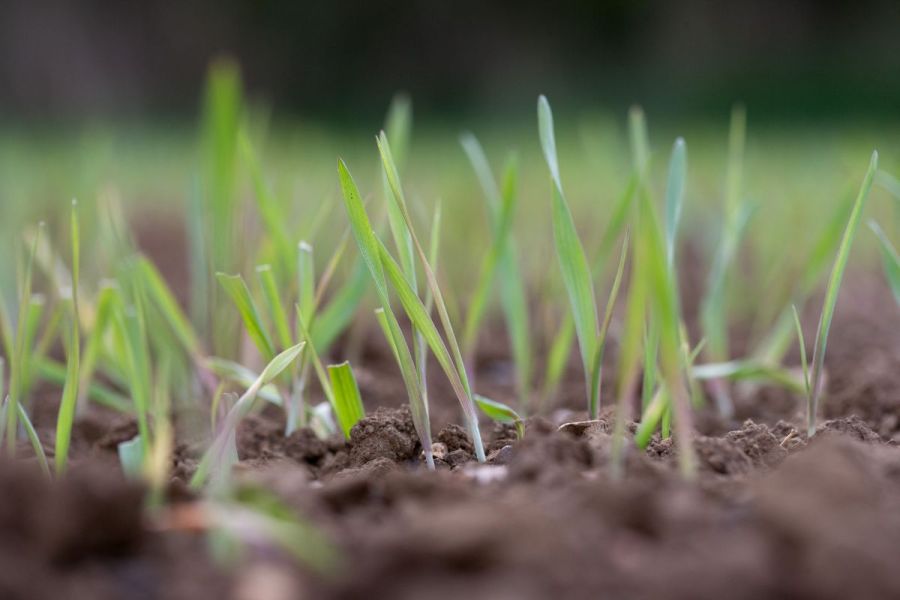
<point>126,343</point>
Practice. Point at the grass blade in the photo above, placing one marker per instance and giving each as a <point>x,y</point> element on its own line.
<point>466,400</point>
<point>273,304</point>
<point>831,293</point>
<point>35,441</point>
<point>513,298</point>
<point>573,263</point>
<point>348,405</point>
<point>237,290</point>
<point>368,245</point>
<point>501,413</point>
<point>164,300</point>
<point>18,370</point>
<point>748,370</point>
<point>272,218</point>
<point>222,450</point>
<point>66,413</point>
<point>334,318</point>
<point>306,279</point>
<point>801,343</point>
<point>675,195</point>
<point>489,265</point>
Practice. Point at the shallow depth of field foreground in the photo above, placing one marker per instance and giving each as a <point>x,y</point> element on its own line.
<point>563,353</point>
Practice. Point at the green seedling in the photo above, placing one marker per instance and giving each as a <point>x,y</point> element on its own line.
<point>456,371</point>
<point>513,299</point>
<point>68,403</point>
<point>17,347</point>
<point>562,342</point>
<point>369,247</point>
<point>222,453</point>
<point>713,312</point>
<point>573,265</point>
<point>831,294</point>
<point>216,206</point>
<point>501,413</point>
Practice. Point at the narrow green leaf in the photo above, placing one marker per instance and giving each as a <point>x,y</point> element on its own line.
<point>640,141</point>
<point>18,368</point>
<point>801,343</point>
<point>272,217</point>
<point>369,249</point>
<point>573,263</point>
<point>273,304</point>
<point>34,312</point>
<point>490,263</point>
<point>466,400</point>
<point>776,342</point>
<point>32,435</point>
<point>56,372</point>
<point>231,371</point>
<point>223,452</point>
<point>333,319</point>
<point>66,415</point>
<point>278,364</point>
<point>420,319</point>
<point>130,324</point>
<point>306,275</point>
<point>347,401</point>
<point>501,413</point>
<point>675,195</point>
<point>748,370</point>
<point>237,290</point>
<point>652,416</point>
<point>164,300</point>
<point>314,355</point>
<point>831,293</point>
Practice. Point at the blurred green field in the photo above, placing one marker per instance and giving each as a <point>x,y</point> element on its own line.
<point>795,177</point>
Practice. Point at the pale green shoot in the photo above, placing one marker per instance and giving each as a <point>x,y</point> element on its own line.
<point>306,279</point>
<point>801,343</point>
<point>369,249</point>
<point>561,345</point>
<point>222,113</point>
<point>713,312</point>
<point>501,413</point>
<point>831,293</point>
<point>164,300</point>
<point>69,401</point>
<point>487,274</point>
<point>513,298</point>
<point>348,405</point>
<point>36,445</point>
<point>275,309</point>
<point>773,347</point>
<point>237,290</point>
<point>573,263</point>
<point>222,452</point>
<point>267,205</point>
<point>19,363</point>
<point>463,391</point>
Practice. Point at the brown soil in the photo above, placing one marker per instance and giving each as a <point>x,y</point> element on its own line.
<point>771,514</point>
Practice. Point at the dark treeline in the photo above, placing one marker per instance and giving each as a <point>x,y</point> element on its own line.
<point>67,57</point>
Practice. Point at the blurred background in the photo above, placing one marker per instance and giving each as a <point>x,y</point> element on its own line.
<point>104,98</point>
<point>344,60</point>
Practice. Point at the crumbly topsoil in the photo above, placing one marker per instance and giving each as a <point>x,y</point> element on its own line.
<point>770,515</point>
